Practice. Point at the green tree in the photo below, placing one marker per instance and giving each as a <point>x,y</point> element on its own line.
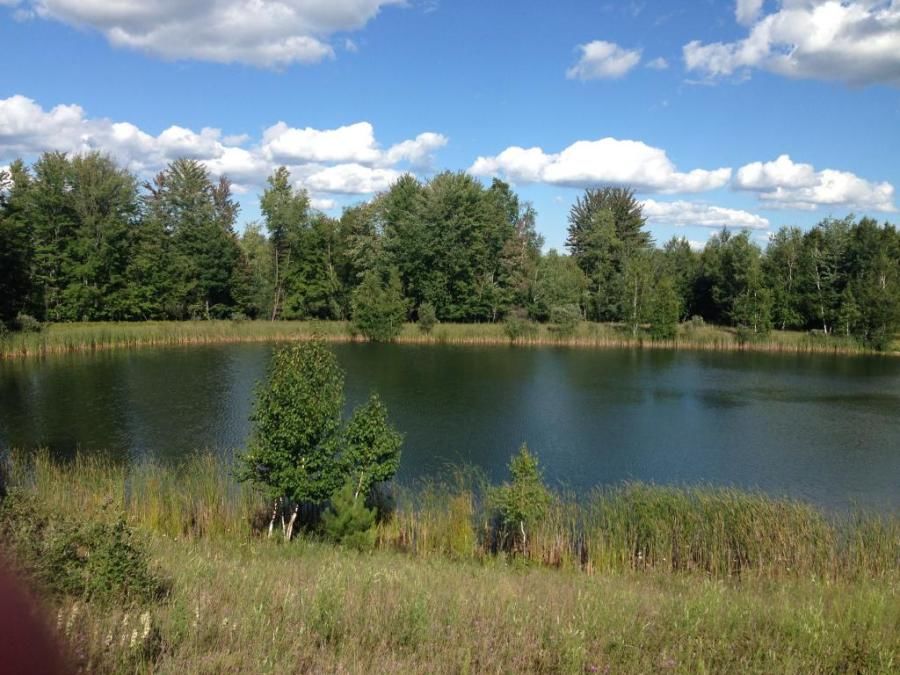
<point>370,447</point>
<point>286,213</point>
<point>608,239</point>
<point>299,452</point>
<point>379,309</point>
<point>15,245</point>
<point>198,216</point>
<point>348,521</point>
<point>523,502</point>
<point>293,451</point>
<point>558,282</point>
<point>781,268</point>
<point>427,318</point>
<point>664,309</point>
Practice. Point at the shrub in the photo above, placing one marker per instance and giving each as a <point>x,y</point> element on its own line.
<point>523,502</point>
<point>239,317</point>
<point>427,318</point>
<point>93,561</point>
<point>347,521</point>
<point>518,327</point>
<point>565,319</point>
<point>27,323</point>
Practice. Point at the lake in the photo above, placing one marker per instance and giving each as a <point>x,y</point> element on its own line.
<point>822,428</point>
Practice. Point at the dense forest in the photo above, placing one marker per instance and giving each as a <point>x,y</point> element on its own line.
<point>82,239</point>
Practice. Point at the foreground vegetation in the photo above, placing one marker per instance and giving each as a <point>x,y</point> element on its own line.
<point>79,337</point>
<point>628,579</point>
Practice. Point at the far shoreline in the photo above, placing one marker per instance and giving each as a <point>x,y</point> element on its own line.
<point>68,338</point>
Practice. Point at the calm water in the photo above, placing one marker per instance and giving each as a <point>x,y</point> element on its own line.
<point>822,428</point>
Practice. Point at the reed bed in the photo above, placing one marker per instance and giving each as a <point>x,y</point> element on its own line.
<point>717,532</point>
<point>89,337</point>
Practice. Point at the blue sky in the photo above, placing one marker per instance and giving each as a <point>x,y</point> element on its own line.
<point>748,114</point>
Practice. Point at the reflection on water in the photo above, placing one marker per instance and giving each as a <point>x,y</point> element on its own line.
<point>821,428</point>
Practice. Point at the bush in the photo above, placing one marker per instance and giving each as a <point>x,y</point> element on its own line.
<point>239,317</point>
<point>427,318</point>
<point>565,319</point>
<point>518,327</point>
<point>347,521</point>
<point>28,324</point>
<point>93,561</point>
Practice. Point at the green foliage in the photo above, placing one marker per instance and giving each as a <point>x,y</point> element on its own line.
<point>27,323</point>
<point>427,318</point>
<point>296,421</point>
<point>523,502</point>
<point>94,561</point>
<point>564,319</point>
<point>664,309</point>
<point>379,309</point>
<point>370,446</point>
<point>299,451</point>
<point>347,521</point>
<point>517,326</point>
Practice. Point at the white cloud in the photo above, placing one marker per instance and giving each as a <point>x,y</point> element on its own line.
<point>606,161</point>
<point>855,41</point>
<point>747,11</point>
<point>418,152</point>
<point>701,215</point>
<point>322,204</point>
<point>346,160</point>
<point>782,183</point>
<point>267,33</point>
<point>350,179</point>
<point>659,63</point>
<point>352,143</point>
<point>603,60</point>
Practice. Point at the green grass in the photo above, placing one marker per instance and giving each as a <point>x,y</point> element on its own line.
<point>629,579</point>
<point>62,338</point>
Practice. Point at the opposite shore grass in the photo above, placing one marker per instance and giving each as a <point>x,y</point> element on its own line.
<point>761,586</point>
<point>87,337</point>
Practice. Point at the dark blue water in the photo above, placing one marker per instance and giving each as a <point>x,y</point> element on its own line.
<point>826,429</point>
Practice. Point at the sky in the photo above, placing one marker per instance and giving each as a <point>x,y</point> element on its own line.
<point>749,114</point>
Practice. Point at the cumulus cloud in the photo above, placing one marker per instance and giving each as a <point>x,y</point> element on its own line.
<point>323,204</point>
<point>351,179</point>
<point>701,215</point>
<point>783,183</point>
<point>605,161</point>
<point>267,33</point>
<point>345,160</point>
<point>747,11</point>
<point>659,63</point>
<point>603,60</point>
<point>856,41</point>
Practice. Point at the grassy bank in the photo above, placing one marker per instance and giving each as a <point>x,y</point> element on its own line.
<point>76,337</point>
<point>631,579</point>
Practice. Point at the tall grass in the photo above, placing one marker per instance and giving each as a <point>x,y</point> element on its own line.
<point>79,337</point>
<point>719,532</point>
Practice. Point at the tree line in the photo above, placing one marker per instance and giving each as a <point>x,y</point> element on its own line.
<point>83,239</point>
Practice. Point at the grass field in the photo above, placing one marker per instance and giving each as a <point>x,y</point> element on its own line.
<point>62,338</point>
<point>632,579</point>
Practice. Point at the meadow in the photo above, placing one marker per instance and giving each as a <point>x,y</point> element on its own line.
<point>630,578</point>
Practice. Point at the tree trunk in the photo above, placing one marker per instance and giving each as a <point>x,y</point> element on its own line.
<point>275,509</point>
<point>289,532</point>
